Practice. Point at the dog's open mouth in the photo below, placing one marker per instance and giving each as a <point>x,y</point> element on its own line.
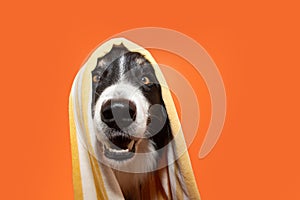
<point>120,148</point>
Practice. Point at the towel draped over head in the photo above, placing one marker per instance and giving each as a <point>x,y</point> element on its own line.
<point>92,179</point>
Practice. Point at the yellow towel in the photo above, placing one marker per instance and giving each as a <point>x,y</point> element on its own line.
<point>93,179</point>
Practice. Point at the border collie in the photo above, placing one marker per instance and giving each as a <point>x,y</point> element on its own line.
<point>129,117</point>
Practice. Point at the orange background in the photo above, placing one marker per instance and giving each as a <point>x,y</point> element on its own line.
<point>255,45</point>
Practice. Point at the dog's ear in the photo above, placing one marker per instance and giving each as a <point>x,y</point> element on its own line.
<point>116,52</point>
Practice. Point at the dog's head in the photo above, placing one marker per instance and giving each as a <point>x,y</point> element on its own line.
<point>128,110</point>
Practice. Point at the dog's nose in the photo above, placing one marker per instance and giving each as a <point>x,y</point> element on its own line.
<point>118,113</point>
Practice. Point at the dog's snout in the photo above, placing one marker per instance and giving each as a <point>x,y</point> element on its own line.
<point>118,113</point>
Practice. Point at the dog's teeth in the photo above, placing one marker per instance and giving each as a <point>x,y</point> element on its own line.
<point>130,145</point>
<point>118,151</point>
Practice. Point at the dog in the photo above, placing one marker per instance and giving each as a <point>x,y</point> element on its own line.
<point>130,117</point>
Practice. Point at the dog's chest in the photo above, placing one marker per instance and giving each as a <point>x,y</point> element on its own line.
<point>135,186</point>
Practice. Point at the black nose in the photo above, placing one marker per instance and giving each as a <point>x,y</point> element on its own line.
<point>118,113</point>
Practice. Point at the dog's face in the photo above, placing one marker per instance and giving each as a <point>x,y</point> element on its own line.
<point>128,110</point>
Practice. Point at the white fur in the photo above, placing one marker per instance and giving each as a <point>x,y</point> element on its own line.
<point>122,66</point>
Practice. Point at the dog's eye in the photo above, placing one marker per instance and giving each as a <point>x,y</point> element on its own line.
<point>96,78</point>
<point>145,80</point>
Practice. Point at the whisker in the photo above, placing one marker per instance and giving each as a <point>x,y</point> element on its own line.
<point>97,93</point>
